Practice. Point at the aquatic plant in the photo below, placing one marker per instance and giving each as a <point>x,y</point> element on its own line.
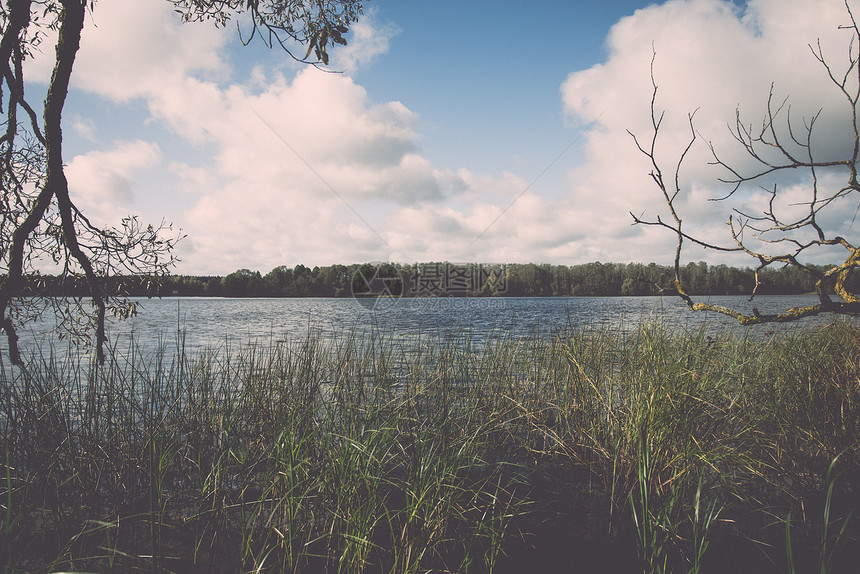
<point>650,450</point>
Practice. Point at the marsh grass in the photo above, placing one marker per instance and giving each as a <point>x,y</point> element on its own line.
<point>645,451</point>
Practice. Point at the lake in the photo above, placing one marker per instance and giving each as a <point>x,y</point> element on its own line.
<point>212,323</point>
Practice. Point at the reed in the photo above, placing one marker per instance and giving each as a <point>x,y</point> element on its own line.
<point>647,450</point>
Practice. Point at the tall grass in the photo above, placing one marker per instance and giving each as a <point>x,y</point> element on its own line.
<point>648,451</point>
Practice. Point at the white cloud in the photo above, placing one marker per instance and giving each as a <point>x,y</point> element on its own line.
<point>712,57</point>
<point>102,183</point>
<point>301,168</point>
<point>368,39</point>
<point>283,169</point>
<point>304,167</point>
<point>84,127</point>
<point>128,52</point>
<point>133,50</point>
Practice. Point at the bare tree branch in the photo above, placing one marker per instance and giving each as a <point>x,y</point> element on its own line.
<point>803,236</point>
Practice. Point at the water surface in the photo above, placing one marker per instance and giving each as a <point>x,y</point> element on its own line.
<point>214,323</point>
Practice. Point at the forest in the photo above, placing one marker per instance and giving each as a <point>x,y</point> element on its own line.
<point>443,279</point>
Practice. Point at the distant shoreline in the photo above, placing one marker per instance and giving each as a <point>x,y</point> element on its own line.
<point>448,280</point>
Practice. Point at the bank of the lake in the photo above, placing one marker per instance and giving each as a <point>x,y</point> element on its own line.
<point>649,448</point>
<point>594,279</point>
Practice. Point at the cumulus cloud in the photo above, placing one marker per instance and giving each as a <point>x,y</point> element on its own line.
<point>369,39</point>
<point>304,166</point>
<point>131,51</point>
<point>710,57</point>
<point>84,127</point>
<point>295,167</point>
<point>285,168</point>
<point>147,49</point>
<point>102,183</point>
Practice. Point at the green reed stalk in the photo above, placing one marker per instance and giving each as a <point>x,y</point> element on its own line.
<point>375,454</point>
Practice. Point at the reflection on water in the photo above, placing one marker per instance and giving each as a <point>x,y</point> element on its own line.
<point>213,323</point>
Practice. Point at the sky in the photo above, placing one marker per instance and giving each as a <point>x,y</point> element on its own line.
<point>462,131</point>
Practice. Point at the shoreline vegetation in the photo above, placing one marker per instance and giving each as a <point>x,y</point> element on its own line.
<point>451,280</point>
<point>655,450</point>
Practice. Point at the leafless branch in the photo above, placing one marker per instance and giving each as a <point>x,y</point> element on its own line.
<point>797,239</point>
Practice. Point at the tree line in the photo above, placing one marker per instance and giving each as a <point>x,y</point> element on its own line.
<point>445,279</point>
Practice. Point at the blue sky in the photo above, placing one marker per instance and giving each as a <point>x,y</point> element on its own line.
<point>461,131</point>
<point>485,77</point>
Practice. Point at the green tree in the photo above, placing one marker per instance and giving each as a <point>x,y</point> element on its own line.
<point>333,281</point>
<point>40,223</point>
<point>279,281</point>
<point>243,283</point>
<point>634,286</point>
<point>213,287</point>
<point>515,285</point>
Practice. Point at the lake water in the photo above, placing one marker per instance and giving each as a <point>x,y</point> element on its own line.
<point>212,323</point>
